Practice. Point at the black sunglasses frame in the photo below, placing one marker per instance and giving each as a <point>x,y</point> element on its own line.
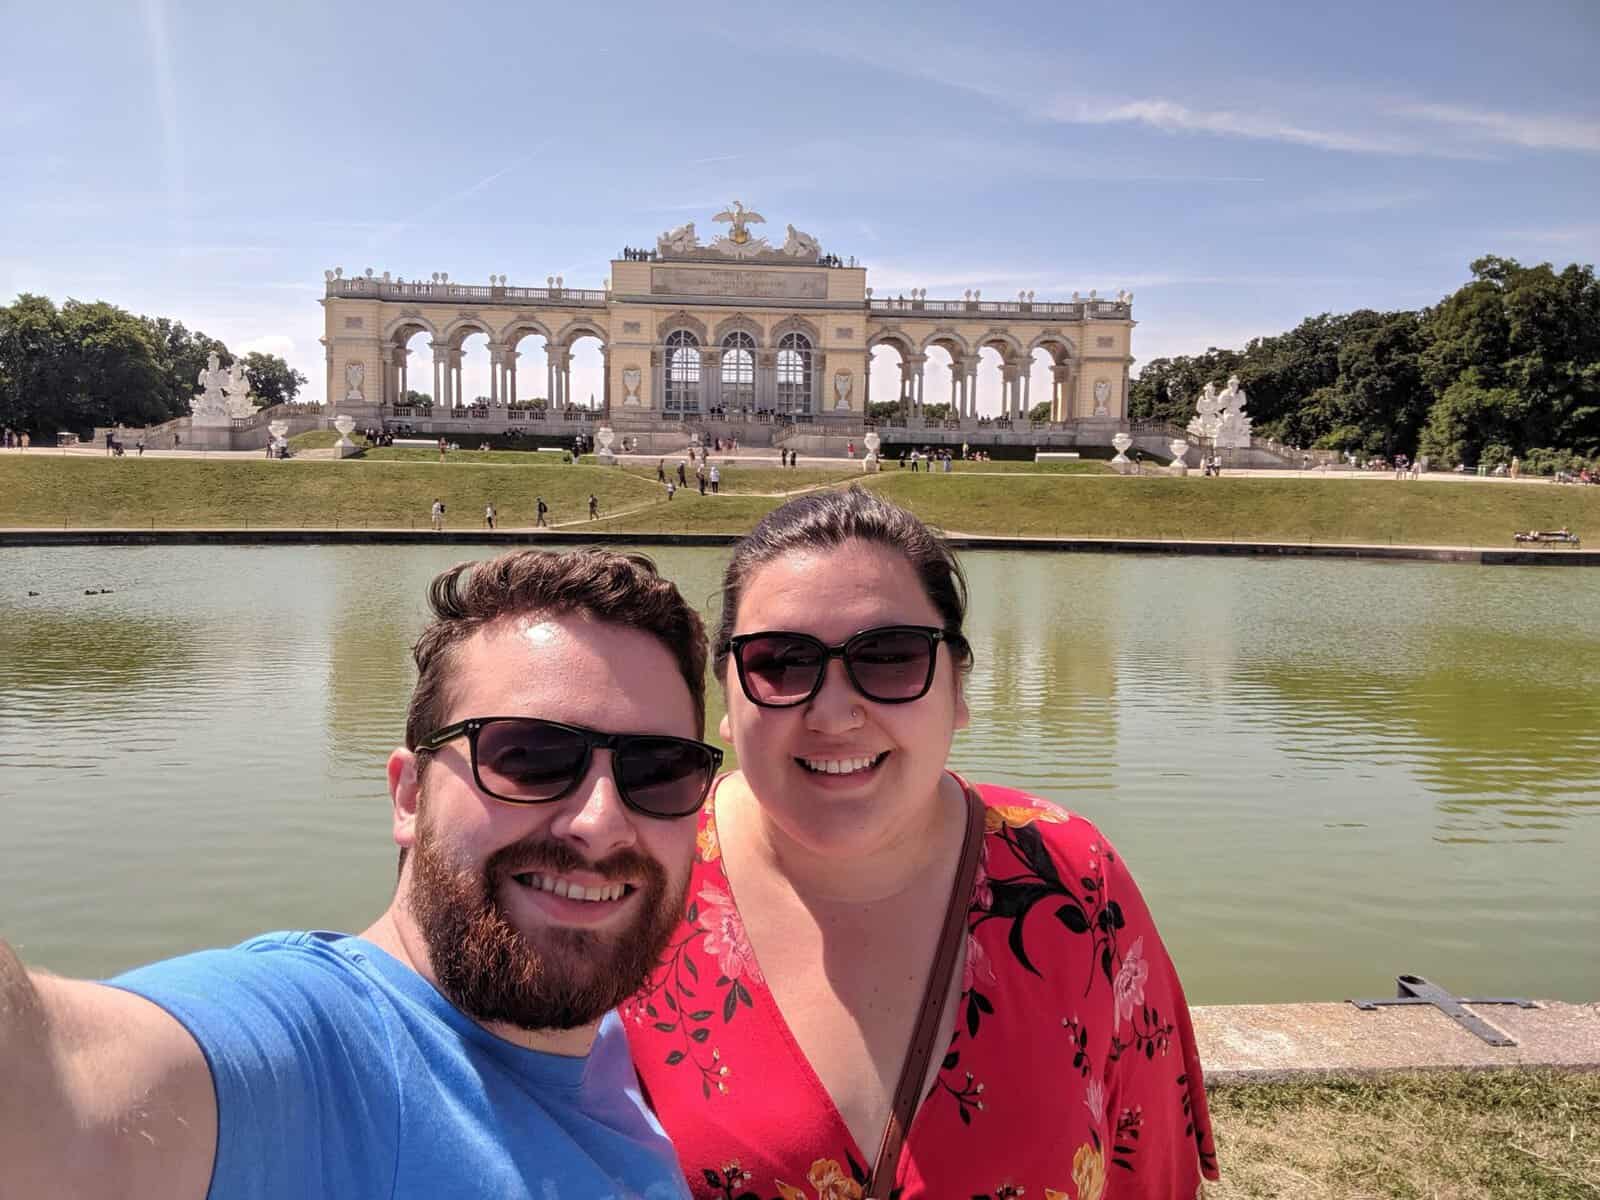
<point>842,652</point>
<point>592,739</point>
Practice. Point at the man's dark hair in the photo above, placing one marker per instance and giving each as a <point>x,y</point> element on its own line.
<point>622,589</point>
<point>828,520</point>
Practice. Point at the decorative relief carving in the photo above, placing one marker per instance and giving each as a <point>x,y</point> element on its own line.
<point>843,332</point>
<point>354,322</point>
<point>631,327</point>
<point>410,312</point>
<point>1105,343</point>
<point>631,377</point>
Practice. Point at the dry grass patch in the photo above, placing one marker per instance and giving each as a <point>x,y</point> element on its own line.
<point>1503,1135</point>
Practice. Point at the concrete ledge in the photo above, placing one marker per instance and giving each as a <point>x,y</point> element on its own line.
<point>1246,1043</point>
<point>577,534</point>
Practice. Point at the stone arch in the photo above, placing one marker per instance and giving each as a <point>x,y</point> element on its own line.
<point>893,336</point>
<point>402,329</point>
<point>522,327</point>
<point>580,328</point>
<point>464,327</point>
<point>1008,345</point>
<point>946,338</point>
<point>682,320</point>
<point>739,323</point>
<point>1059,344</point>
<point>797,324</point>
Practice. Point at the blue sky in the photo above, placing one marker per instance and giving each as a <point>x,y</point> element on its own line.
<point>1238,166</point>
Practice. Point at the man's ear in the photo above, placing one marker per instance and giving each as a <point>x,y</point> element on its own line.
<point>405,791</point>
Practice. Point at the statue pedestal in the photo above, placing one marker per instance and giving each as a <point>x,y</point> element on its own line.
<point>1178,468</point>
<point>345,448</point>
<point>871,463</point>
<point>605,458</point>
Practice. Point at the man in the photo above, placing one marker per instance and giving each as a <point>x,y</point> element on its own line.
<point>540,507</point>
<point>594,507</point>
<point>489,514</point>
<point>436,514</point>
<point>463,1044</point>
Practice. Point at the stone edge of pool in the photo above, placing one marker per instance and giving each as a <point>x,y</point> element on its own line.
<point>1489,556</point>
<point>1251,1043</point>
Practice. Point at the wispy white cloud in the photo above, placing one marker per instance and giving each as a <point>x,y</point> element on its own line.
<point>272,343</point>
<point>1536,132</point>
<point>1260,124</point>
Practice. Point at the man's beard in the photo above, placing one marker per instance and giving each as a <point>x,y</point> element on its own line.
<point>553,977</point>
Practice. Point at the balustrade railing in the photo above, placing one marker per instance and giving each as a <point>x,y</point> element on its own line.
<point>1065,310</point>
<point>388,289</point>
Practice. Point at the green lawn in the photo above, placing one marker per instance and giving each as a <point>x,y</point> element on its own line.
<point>1503,1135</point>
<point>396,492</point>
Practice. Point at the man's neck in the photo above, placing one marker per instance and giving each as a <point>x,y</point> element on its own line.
<point>398,937</point>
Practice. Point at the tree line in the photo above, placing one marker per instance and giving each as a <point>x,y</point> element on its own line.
<point>1508,364</point>
<point>89,363</point>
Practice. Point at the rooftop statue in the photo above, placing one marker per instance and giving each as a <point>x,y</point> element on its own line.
<point>738,216</point>
<point>678,241</point>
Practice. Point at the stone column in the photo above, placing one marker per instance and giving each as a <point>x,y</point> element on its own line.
<point>494,373</point>
<point>972,385</point>
<point>1027,385</point>
<point>441,381</point>
<point>511,375</point>
<point>919,363</point>
<point>605,379</point>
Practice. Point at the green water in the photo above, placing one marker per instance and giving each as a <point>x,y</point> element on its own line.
<point>1322,773</point>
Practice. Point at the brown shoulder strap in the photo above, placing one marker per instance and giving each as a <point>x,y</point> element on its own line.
<point>931,1015</point>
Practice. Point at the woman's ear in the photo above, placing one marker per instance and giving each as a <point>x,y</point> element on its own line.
<point>725,729</point>
<point>963,715</point>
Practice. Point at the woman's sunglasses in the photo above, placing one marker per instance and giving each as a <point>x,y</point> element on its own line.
<point>526,760</point>
<point>892,664</point>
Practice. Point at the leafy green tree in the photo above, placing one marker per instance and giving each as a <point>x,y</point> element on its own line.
<point>35,366</point>
<point>272,380</point>
<point>1040,411</point>
<point>181,355</point>
<point>116,379</point>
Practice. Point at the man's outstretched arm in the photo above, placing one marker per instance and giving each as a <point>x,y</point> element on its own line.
<point>102,1093</point>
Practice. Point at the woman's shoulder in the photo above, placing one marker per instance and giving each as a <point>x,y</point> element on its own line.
<point>1009,811</point>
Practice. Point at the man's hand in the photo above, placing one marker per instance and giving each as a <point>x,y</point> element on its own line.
<point>102,1094</point>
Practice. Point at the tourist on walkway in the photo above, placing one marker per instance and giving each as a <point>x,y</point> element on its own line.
<point>672,489</point>
<point>683,473</point>
<point>464,1044</point>
<point>841,857</point>
<point>489,514</point>
<point>594,507</point>
<point>540,508</point>
<point>716,480</point>
<point>700,477</point>
<point>437,514</point>
<point>661,470</point>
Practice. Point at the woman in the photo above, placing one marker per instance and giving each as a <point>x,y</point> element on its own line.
<point>774,1038</point>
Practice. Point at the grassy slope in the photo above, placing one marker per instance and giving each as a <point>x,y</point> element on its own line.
<point>48,490</point>
<point>1512,1135</point>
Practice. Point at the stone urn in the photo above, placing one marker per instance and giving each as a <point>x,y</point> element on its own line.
<point>344,447</point>
<point>1179,447</point>
<point>276,431</point>
<point>604,454</point>
<point>1120,442</point>
<point>872,441</point>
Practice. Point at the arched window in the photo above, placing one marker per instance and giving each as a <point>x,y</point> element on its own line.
<point>738,371</point>
<point>683,373</point>
<point>794,373</point>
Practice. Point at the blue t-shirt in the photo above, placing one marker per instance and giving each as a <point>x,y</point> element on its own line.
<point>341,1072</point>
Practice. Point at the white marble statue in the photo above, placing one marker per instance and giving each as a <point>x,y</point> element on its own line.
<point>678,241</point>
<point>237,390</point>
<point>841,389</point>
<point>801,245</point>
<point>211,405</point>
<point>353,375</point>
<point>1102,393</point>
<point>631,378</point>
<point>1233,431</point>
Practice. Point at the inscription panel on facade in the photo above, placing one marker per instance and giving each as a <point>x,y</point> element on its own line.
<point>729,281</point>
<point>1105,343</point>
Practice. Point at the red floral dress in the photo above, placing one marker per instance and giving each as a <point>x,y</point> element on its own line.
<point>1072,1073</point>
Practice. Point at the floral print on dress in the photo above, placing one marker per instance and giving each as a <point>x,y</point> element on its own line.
<point>1068,1005</point>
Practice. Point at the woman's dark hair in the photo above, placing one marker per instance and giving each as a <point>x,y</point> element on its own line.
<point>826,521</point>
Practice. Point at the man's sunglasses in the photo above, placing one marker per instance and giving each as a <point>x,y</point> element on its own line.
<point>892,664</point>
<point>526,760</point>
